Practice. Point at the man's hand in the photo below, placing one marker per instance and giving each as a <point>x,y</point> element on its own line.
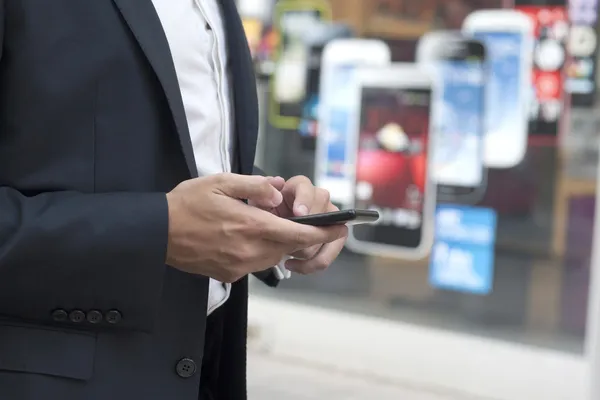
<point>301,197</point>
<point>212,232</point>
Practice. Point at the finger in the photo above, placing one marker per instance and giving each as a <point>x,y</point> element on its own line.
<point>307,254</point>
<point>320,262</point>
<point>293,235</point>
<point>311,252</point>
<point>277,182</point>
<point>322,202</point>
<point>298,194</point>
<point>257,189</point>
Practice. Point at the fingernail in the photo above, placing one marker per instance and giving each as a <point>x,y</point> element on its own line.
<point>301,210</point>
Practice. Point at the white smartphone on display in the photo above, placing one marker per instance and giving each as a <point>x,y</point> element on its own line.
<point>459,66</point>
<point>337,105</point>
<point>390,154</point>
<point>508,36</point>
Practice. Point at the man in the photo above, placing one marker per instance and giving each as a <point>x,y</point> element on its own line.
<point>127,138</point>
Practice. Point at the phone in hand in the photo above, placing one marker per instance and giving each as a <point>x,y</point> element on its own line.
<point>348,217</point>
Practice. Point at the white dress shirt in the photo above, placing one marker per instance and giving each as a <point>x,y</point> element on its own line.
<point>196,36</point>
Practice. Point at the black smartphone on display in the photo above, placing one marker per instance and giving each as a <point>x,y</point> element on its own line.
<point>457,161</point>
<point>349,217</point>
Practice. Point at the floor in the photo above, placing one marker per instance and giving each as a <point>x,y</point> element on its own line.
<point>278,379</point>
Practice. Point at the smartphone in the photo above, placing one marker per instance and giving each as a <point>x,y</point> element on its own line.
<point>456,162</point>
<point>337,108</point>
<point>349,217</point>
<point>508,38</point>
<point>294,21</point>
<point>551,32</point>
<point>582,47</point>
<point>390,154</point>
<point>323,34</point>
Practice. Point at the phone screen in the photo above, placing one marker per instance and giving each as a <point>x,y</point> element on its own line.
<point>582,66</point>
<point>457,158</point>
<point>505,102</point>
<point>337,107</point>
<point>551,29</point>
<point>391,164</point>
<point>293,68</point>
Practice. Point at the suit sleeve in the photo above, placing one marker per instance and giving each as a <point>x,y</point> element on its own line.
<point>65,254</point>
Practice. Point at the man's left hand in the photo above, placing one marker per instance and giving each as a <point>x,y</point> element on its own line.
<point>301,197</point>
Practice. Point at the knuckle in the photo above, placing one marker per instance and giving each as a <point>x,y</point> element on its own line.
<point>323,195</point>
<point>220,178</point>
<point>243,252</point>
<point>300,180</point>
<point>303,254</point>
<point>321,263</point>
<point>255,227</point>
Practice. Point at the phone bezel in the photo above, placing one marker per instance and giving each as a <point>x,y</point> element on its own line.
<point>508,20</point>
<point>396,76</point>
<point>350,216</point>
<point>361,53</point>
<point>428,50</point>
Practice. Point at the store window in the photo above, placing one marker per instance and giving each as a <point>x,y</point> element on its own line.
<point>541,208</point>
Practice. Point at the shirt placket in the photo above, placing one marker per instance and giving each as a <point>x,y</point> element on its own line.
<point>218,69</point>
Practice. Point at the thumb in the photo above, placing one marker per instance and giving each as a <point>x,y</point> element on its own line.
<point>257,189</point>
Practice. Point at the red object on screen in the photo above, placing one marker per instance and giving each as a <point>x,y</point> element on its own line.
<point>418,170</point>
<point>551,27</point>
<point>392,154</point>
<point>379,167</point>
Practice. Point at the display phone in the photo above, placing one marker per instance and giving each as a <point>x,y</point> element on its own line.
<point>551,32</point>
<point>337,109</point>
<point>348,217</point>
<point>456,161</point>
<point>391,148</point>
<point>328,32</point>
<point>582,66</point>
<point>508,39</point>
<point>294,21</point>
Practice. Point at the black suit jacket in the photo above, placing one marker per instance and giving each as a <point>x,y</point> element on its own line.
<point>92,134</point>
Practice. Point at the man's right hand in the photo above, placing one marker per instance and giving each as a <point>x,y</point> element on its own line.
<point>212,232</point>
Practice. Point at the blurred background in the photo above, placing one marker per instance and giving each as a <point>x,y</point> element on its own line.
<point>479,280</point>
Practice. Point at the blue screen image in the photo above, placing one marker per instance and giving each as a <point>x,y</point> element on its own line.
<point>338,109</point>
<point>506,102</point>
<point>458,151</point>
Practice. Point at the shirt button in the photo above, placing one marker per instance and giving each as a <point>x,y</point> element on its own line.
<point>94,317</point>
<point>186,368</point>
<point>113,317</point>
<point>76,316</point>
<point>59,315</point>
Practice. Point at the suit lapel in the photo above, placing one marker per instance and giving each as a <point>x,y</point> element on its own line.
<point>146,27</point>
<point>243,82</point>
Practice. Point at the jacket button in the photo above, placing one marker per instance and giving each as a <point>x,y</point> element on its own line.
<point>59,315</point>
<point>113,317</point>
<point>76,316</point>
<point>94,317</point>
<point>186,367</point>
